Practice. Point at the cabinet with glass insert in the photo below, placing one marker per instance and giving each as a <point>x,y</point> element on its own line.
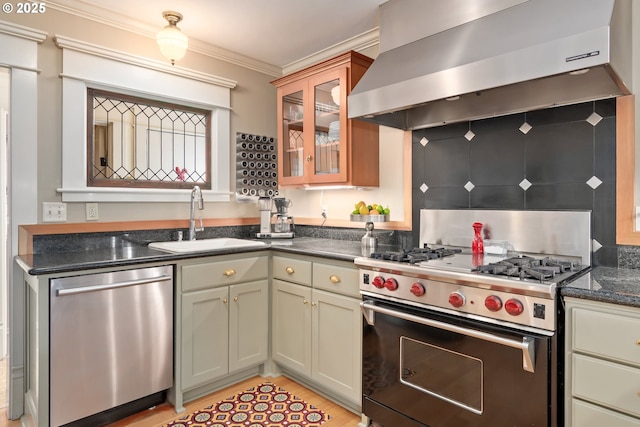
<point>318,144</point>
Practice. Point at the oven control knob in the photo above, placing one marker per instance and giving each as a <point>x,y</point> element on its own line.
<point>378,282</point>
<point>418,289</point>
<point>514,307</point>
<point>493,303</point>
<point>391,284</point>
<point>456,299</point>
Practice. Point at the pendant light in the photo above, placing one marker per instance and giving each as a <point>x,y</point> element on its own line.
<point>173,43</point>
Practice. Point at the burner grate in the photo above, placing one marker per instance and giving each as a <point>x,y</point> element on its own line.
<point>526,267</point>
<point>415,255</point>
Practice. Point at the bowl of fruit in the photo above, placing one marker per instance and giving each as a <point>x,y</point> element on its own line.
<point>364,212</point>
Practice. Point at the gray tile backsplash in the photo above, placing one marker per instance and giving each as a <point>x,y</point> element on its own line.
<point>557,158</point>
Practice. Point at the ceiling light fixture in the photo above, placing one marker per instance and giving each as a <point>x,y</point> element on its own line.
<point>173,43</point>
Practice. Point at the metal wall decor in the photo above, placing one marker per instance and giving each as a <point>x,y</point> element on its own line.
<point>256,165</point>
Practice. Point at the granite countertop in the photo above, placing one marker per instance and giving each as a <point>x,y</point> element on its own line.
<point>129,254</point>
<point>607,284</point>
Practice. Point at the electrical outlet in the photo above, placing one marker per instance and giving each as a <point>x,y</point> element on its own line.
<point>54,212</point>
<point>325,209</point>
<point>91,211</point>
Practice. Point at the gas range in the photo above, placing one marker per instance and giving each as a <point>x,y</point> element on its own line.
<point>518,289</point>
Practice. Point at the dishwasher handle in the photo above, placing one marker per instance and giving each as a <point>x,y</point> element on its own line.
<point>103,287</point>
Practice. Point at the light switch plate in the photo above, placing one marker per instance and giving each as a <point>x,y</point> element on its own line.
<point>54,212</point>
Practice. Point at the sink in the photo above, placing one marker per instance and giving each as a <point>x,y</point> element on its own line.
<point>204,245</point>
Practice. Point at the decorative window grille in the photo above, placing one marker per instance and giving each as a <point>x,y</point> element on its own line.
<point>136,142</point>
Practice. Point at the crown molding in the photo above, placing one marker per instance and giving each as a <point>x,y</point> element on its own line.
<point>358,43</point>
<point>103,16</point>
<point>22,32</point>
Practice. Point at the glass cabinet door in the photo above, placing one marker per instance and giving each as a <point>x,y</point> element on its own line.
<point>329,139</point>
<point>292,137</point>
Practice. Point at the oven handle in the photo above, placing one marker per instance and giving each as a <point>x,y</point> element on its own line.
<point>527,345</point>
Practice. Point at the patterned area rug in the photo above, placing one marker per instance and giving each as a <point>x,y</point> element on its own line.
<point>264,405</point>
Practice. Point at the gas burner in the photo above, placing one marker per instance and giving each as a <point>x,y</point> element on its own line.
<point>525,267</point>
<point>415,255</point>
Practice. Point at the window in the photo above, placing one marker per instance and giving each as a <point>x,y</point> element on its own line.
<point>136,142</point>
<point>137,81</point>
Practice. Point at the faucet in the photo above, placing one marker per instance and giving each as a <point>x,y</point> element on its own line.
<point>195,193</point>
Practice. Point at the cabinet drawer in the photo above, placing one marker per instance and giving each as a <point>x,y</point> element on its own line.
<point>606,334</point>
<point>333,278</point>
<point>292,270</point>
<point>607,383</point>
<point>586,415</point>
<point>224,272</point>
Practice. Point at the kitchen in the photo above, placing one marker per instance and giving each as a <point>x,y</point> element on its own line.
<point>306,204</point>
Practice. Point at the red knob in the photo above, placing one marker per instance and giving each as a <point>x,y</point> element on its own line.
<point>391,284</point>
<point>456,299</point>
<point>514,307</point>
<point>378,282</point>
<point>418,289</point>
<point>493,303</point>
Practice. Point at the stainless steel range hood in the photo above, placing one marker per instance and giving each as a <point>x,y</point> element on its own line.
<point>530,55</point>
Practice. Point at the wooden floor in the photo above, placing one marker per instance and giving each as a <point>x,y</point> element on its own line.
<point>164,414</point>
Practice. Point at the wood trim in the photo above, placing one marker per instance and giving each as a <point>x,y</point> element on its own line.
<point>407,222</point>
<point>625,172</point>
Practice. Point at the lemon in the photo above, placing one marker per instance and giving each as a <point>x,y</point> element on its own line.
<point>363,210</point>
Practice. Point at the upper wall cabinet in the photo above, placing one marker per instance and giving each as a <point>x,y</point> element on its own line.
<point>318,145</point>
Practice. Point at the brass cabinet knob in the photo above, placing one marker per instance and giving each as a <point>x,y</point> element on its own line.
<point>334,279</point>
<point>309,158</point>
<point>304,301</point>
<point>289,270</point>
<point>230,272</point>
<point>235,299</point>
<point>313,304</point>
<point>224,301</point>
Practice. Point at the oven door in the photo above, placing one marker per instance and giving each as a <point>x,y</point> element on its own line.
<point>423,368</point>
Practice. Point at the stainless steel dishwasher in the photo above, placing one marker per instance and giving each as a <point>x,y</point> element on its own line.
<point>111,340</point>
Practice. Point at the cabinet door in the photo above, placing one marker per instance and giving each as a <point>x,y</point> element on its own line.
<point>205,336</point>
<point>248,324</point>
<point>326,152</point>
<point>337,343</point>
<point>291,326</point>
<point>292,132</point>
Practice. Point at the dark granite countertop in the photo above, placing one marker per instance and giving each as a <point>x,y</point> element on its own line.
<point>607,284</point>
<point>132,254</point>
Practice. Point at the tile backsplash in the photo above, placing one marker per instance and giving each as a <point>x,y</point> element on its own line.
<point>561,158</point>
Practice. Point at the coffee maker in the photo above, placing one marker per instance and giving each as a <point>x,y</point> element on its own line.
<point>278,224</point>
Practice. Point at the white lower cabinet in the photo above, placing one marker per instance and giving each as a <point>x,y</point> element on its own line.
<point>224,315</point>
<point>317,325</point>
<point>602,364</point>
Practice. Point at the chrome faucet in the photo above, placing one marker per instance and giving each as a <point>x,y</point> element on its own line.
<point>195,193</point>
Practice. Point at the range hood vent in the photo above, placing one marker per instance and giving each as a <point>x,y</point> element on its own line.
<point>531,55</point>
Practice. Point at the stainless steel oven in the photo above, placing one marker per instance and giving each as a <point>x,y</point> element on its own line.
<point>422,367</point>
<point>453,338</point>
